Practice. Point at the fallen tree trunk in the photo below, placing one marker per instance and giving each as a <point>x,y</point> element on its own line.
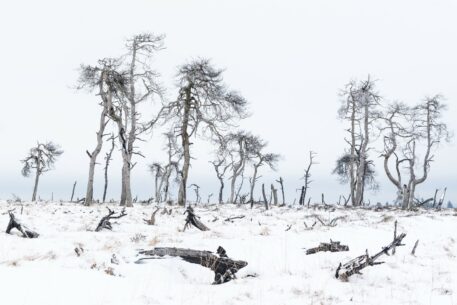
<point>193,219</point>
<point>333,246</point>
<point>343,272</point>
<point>224,268</point>
<point>15,224</point>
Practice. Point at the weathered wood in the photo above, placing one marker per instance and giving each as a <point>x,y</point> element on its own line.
<point>332,246</point>
<point>231,219</point>
<point>15,224</point>
<point>413,252</point>
<point>105,222</point>
<point>343,272</point>
<point>192,219</point>
<point>152,220</point>
<point>224,268</point>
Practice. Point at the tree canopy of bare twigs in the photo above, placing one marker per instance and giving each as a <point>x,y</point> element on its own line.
<point>124,83</point>
<point>40,158</point>
<point>360,109</point>
<point>406,130</point>
<point>204,105</point>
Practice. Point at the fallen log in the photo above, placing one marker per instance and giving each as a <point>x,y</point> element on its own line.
<point>15,224</point>
<point>332,246</point>
<point>193,219</point>
<point>224,268</point>
<point>105,222</point>
<point>231,219</point>
<point>343,272</point>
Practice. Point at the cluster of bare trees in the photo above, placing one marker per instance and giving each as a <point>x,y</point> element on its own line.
<point>204,107</point>
<point>410,135</point>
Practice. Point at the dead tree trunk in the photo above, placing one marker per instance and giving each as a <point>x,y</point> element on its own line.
<point>93,157</point>
<point>224,268</point>
<point>193,219</point>
<point>73,192</point>
<point>264,196</point>
<point>15,224</point>
<point>108,158</point>
<point>281,182</point>
<point>333,246</point>
<point>275,194</point>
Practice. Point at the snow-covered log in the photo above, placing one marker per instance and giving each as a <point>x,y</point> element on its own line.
<point>343,272</point>
<point>332,246</point>
<point>224,268</point>
<point>15,224</point>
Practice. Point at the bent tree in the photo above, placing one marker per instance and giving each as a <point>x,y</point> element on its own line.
<point>40,158</point>
<point>407,129</point>
<point>203,104</point>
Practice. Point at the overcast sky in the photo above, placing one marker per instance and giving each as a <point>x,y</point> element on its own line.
<point>288,58</point>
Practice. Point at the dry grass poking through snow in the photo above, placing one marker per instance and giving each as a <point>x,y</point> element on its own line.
<point>71,264</point>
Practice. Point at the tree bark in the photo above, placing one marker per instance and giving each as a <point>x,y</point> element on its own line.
<point>93,159</point>
<point>182,197</point>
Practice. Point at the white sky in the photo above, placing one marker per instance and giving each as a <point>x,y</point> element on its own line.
<point>288,58</point>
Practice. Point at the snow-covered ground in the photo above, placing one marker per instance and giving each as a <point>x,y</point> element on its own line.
<point>48,271</point>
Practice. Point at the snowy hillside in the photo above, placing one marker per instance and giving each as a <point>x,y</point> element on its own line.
<point>69,263</point>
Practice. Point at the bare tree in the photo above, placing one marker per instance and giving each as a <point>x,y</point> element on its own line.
<point>237,147</point>
<point>406,128</point>
<point>221,165</point>
<point>174,157</point>
<point>197,192</point>
<point>124,84</point>
<point>204,104</point>
<point>91,78</point>
<point>307,177</point>
<point>360,109</point>
<point>40,158</point>
<point>158,172</point>
<point>255,147</point>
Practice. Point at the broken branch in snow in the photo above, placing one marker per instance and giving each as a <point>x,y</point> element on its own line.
<point>333,246</point>
<point>152,220</point>
<point>224,268</point>
<point>331,223</point>
<point>15,224</point>
<point>105,222</point>
<point>192,219</point>
<point>343,272</point>
<point>231,219</point>
<point>413,252</point>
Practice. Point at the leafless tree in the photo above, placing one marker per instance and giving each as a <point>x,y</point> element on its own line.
<point>92,78</point>
<point>197,192</point>
<point>307,176</point>
<point>203,104</point>
<point>125,83</point>
<point>237,145</point>
<point>405,129</point>
<point>158,172</point>
<point>259,158</point>
<point>174,153</point>
<point>360,108</point>
<point>221,164</point>
<point>40,158</point>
